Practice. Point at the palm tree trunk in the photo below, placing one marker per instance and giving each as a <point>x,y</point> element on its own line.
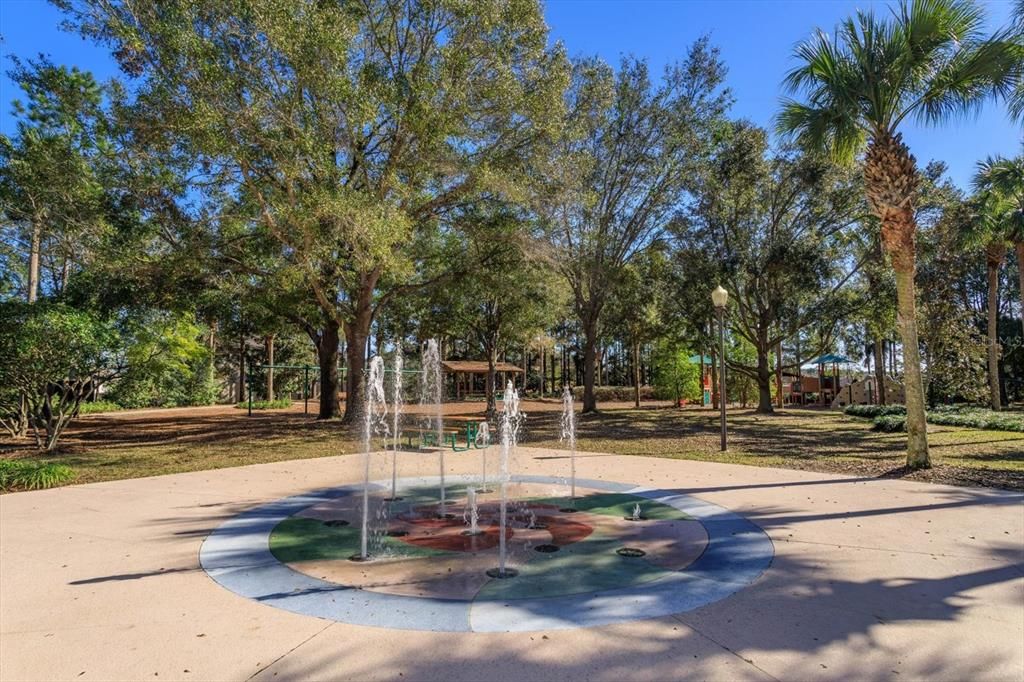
<point>913,386</point>
<point>993,260</point>
<point>891,185</point>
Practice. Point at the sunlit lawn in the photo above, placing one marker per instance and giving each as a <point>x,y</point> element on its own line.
<point>107,447</point>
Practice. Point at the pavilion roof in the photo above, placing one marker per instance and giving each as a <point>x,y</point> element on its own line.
<point>478,366</point>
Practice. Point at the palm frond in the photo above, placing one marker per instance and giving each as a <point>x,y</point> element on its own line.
<point>832,130</point>
<point>959,87</point>
<point>929,60</point>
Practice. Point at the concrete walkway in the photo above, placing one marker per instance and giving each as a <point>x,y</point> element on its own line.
<point>872,579</point>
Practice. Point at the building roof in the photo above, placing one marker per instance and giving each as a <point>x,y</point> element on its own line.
<point>478,366</point>
<point>831,358</point>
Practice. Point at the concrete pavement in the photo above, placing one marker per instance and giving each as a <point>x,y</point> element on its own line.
<point>872,579</point>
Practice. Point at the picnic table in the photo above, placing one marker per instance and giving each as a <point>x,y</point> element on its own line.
<point>468,426</point>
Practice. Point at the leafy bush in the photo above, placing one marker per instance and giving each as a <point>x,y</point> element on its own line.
<point>890,423</point>
<point>615,393</point>
<point>977,418</point>
<point>98,406</point>
<point>891,418</point>
<point>168,365</point>
<point>16,474</point>
<point>53,356</point>
<point>278,404</point>
<point>872,411</point>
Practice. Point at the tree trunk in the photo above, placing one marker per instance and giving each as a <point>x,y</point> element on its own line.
<point>917,435</point>
<point>268,350</point>
<point>327,358</point>
<point>33,261</point>
<point>355,362</point>
<point>491,378</point>
<point>891,185</point>
<point>526,369</point>
<point>764,383</point>
<point>880,371</point>
<point>543,371</point>
<point>1019,248</point>
<point>994,256</point>
<point>241,367</point>
<point>636,374</point>
<point>589,365</point>
<point>779,402</point>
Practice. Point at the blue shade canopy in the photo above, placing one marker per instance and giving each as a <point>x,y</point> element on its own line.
<point>695,359</point>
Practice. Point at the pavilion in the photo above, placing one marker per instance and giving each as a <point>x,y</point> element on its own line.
<point>471,376</point>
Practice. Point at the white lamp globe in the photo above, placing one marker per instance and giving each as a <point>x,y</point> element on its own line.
<point>720,297</point>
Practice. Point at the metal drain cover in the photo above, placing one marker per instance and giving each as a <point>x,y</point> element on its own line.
<point>630,551</point>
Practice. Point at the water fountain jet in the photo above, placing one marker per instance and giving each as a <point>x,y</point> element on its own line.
<point>568,433</point>
<point>472,513</point>
<point>396,417</point>
<point>374,422</point>
<point>511,419</point>
<point>432,392</point>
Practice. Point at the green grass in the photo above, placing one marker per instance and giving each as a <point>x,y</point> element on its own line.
<point>21,474</point>
<point>155,442</point>
<point>98,407</point>
<point>279,404</point>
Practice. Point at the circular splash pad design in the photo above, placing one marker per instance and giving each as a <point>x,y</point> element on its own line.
<point>428,573</point>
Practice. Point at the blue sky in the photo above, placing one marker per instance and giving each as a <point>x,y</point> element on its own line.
<point>756,39</point>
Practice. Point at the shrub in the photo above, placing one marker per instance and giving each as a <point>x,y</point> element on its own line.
<point>98,406</point>
<point>16,474</point>
<point>891,418</point>
<point>278,404</point>
<point>872,411</point>
<point>977,418</point>
<point>890,423</point>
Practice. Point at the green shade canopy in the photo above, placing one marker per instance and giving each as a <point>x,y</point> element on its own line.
<point>831,358</point>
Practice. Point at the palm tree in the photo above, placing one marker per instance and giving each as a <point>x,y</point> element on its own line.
<point>983,228</point>
<point>928,60</point>
<point>999,183</point>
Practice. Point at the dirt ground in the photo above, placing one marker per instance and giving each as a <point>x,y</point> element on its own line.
<point>139,443</point>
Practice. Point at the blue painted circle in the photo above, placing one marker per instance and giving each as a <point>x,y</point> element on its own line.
<point>237,555</point>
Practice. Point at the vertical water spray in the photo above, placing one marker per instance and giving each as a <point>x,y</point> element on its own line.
<point>510,422</point>
<point>568,433</point>
<point>374,423</point>
<point>483,441</point>
<point>432,394</point>
<point>396,416</point>
<point>472,513</point>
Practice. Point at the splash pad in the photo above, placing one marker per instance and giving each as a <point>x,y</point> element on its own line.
<point>428,574</point>
<point>447,553</point>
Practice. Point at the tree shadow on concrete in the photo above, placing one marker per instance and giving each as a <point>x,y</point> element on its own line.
<point>798,622</point>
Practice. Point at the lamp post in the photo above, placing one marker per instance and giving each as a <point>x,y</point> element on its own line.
<point>720,297</point>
